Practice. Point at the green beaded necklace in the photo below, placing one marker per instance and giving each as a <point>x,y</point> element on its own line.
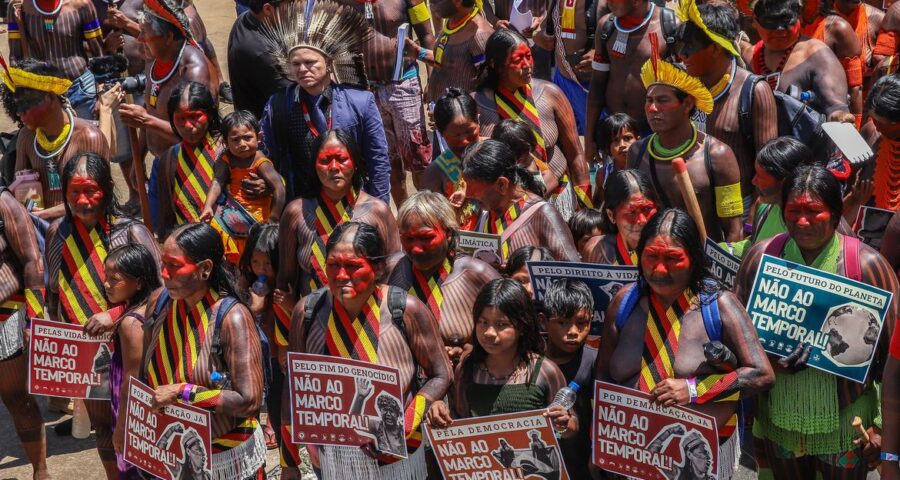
<point>661,153</point>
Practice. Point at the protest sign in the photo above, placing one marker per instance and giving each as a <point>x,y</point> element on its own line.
<point>640,439</point>
<point>173,443</point>
<point>483,246</point>
<point>65,362</point>
<point>512,446</point>
<point>722,264</point>
<point>870,225</point>
<point>841,318</point>
<point>339,401</point>
<point>603,280</point>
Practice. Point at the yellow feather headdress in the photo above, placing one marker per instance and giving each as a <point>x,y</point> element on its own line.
<point>687,11</point>
<point>16,77</point>
<point>660,72</point>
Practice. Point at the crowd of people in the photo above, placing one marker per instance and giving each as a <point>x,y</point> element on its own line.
<point>568,135</point>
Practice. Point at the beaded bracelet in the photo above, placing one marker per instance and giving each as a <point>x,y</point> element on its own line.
<point>186,392</point>
<point>422,53</point>
<point>890,457</point>
<point>692,388</point>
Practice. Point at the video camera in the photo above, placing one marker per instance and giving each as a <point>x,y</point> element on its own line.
<point>108,69</point>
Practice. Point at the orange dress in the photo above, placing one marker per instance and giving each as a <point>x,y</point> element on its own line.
<point>260,208</point>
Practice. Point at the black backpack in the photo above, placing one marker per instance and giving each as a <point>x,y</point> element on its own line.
<point>667,21</point>
<point>396,304</point>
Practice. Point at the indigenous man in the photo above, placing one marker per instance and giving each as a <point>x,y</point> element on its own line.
<point>883,107</point>
<point>708,52</point>
<point>64,33</point>
<point>166,34</point>
<point>865,21</point>
<point>821,23</point>
<point>53,135</point>
<point>664,304</point>
<point>431,270</point>
<point>198,30</point>
<point>399,100</point>
<point>617,64</point>
<point>888,42</point>
<point>672,95</point>
<point>786,58</point>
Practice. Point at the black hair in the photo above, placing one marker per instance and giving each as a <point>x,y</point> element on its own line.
<point>607,129</point>
<point>366,242</point>
<point>520,256</point>
<point>884,99</point>
<point>162,27</point>
<point>764,8</point>
<point>263,238</point>
<point>360,174</point>
<point>135,261</point>
<point>201,242</point>
<point>719,17</point>
<point>239,118</point>
<point>516,135</point>
<point>199,98</point>
<point>619,188</point>
<point>781,156</point>
<point>680,227</point>
<point>583,222</point>
<point>454,103</point>
<point>565,297</point>
<point>99,170</point>
<point>30,65</point>
<point>496,51</point>
<point>512,300</point>
<point>818,181</point>
<point>256,6</point>
<point>491,159</point>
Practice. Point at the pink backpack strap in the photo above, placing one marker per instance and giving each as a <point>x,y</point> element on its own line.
<point>852,269</point>
<point>776,245</point>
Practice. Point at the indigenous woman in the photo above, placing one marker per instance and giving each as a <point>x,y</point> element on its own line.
<point>504,190</point>
<point>506,372</point>
<point>790,443</point>
<point>198,283</point>
<point>77,246</point>
<point>355,259</point>
<point>776,162</point>
<point>509,91</point>
<point>186,170</point>
<point>629,203</point>
<point>657,344</point>
<point>456,118</point>
<point>431,270</point>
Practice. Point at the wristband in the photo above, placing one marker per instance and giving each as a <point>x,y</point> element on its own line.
<point>890,457</point>
<point>186,392</point>
<point>692,388</point>
<point>422,51</point>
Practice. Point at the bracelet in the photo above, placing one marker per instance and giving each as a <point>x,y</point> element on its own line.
<point>692,388</point>
<point>186,392</point>
<point>422,53</point>
<point>890,457</point>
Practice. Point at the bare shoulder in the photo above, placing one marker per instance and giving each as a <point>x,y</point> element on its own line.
<point>475,269</point>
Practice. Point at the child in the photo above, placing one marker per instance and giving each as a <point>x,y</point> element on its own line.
<point>614,136</point>
<point>568,309</point>
<point>517,268</point>
<point>242,159</point>
<point>519,137</point>
<point>585,225</point>
<point>132,274</point>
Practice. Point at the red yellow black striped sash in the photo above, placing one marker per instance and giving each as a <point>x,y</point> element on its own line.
<point>11,306</point>
<point>355,338</point>
<point>282,325</point>
<point>623,256</point>
<point>329,215</point>
<point>519,105</point>
<point>497,225</point>
<point>661,340</point>
<point>428,289</point>
<point>193,176</point>
<point>180,341</point>
<point>81,273</point>
<point>236,436</point>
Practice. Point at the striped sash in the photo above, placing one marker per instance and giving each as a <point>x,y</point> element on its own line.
<point>519,105</point>
<point>428,289</point>
<point>661,340</point>
<point>11,306</point>
<point>282,325</point>
<point>355,338</point>
<point>623,256</point>
<point>193,176</point>
<point>81,273</point>
<point>180,342</point>
<point>496,225</point>
<point>328,216</point>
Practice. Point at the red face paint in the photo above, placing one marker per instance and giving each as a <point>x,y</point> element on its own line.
<point>32,115</point>
<point>520,58</point>
<point>780,39</point>
<point>423,241</point>
<point>334,159</point>
<point>661,259</point>
<point>889,129</point>
<point>350,273</point>
<point>764,180</point>
<point>84,192</point>
<point>636,212</point>
<point>177,266</point>
<point>190,118</point>
<point>806,211</point>
<point>697,61</point>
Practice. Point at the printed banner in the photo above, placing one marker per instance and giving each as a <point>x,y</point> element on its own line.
<point>603,280</point>
<point>483,246</point>
<point>339,401</point>
<point>640,439</point>
<point>870,225</point>
<point>841,318</point>
<point>513,446</point>
<point>65,362</point>
<point>722,264</point>
<point>173,443</point>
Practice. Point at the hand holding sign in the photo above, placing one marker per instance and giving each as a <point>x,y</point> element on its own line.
<point>671,392</point>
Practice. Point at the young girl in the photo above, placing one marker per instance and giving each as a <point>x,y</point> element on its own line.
<point>240,130</point>
<point>517,268</point>
<point>132,274</point>
<point>614,136</point>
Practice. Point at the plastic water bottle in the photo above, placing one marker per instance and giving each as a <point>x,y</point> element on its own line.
<point>565,397</point>
<point>260,287</point>
<point>219,380</point>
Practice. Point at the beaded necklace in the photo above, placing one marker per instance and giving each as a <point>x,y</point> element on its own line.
<point>658,152</point>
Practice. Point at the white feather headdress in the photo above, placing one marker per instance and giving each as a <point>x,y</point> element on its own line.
<point>336,31</point>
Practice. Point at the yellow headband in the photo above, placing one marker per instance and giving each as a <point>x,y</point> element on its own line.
<point>664,73</point>
<point>687,11</point>
<point>16,77</point>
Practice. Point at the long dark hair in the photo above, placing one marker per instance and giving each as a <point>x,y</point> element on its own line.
<point>619,188</point>
<point>523,255</point>
<point>199,98</point>
<point>360,175</point>
<point>496,51</point>
<point>677,224</point>
<point>509,297</point>
<point>452,104</point>
<point>491,159</point>
<point>201,242</point>
<point>818,181</point>
<point>781,156</point>
<point>263,238</point>
<point>884,99</point>
<point>367,243</point>
<point>98,169</point>
<point>135,261</point>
